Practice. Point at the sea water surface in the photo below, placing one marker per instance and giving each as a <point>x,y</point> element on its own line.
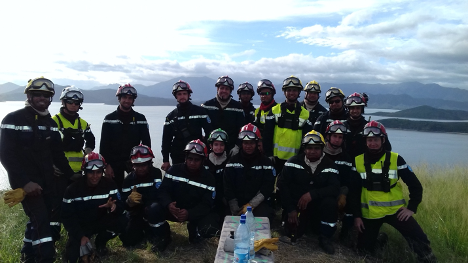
<point>416,147</point>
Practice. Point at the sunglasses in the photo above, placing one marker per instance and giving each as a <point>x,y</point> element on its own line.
<point>77,103</point>
<point>264,83</point>
<point>265,93</point>
<point>94,165</point>
<point>41,94</point>
<point>334,102</point>
<point>292,80</point>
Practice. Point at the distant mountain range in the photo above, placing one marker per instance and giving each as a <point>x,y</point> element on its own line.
<point>392,96</point>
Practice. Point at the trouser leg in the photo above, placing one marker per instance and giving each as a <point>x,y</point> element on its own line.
<point>39,228</point>
<point>414,235</point>
<point>108,228</point>
<point>347,221</point>
<point>27,252</point>
<point>368,239</point>
<point>207,226</point>
<point>328,216</point>
<point>134,231</point>
<point>72,249</point>
<point>119,173</point>
<point>158,227</point>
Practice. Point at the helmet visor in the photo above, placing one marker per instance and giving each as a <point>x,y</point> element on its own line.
<point>312,88</point>
<point>224,80</point>
<point>42,84</point>
<point>354,100</point>
<point>218,136</point>
<point>247,136</point>
<point>295,81</point>
<point>246,87</point>
<point>129,91</point>
<point>372,131</point>
<point>264,83</point>
<point>74,95</point>
<point>180,86</point>
<point>95,164</point>
<point>333,92</point>
<point>195,148</point>
<point>338,128</point>
<point>312,139</point>
<point>139,149</point>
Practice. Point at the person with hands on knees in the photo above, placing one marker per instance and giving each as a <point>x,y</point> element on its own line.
<point>249,176</point>
<point>140,192</point>
<point>187,194</point>
<point>91,205</point>
<point>309,190</point>
<point>377,195</point>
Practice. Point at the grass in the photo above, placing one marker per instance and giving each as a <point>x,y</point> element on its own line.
<point>443,215</point>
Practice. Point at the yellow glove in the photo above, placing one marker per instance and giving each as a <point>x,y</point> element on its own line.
<point>341,202</point>
<point>244,209</point>
<point>134,198</point>
<point>267,243</point>
<point>13,197</point>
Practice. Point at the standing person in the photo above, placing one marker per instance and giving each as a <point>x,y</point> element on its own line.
<point>140,192</point>
<point>76,132</point>
<point>335,139</point>
<point>335,99</point>
<point>246,93</point>
<point>225,113</point>
<point>249,176</point>
<point>312,94</point>
<point>30,146</point>
<point>121,130</point>
<point>266,90</point>
<point>188,193</point>
<point>182,125</point>
<point>377,195</point>
<point>355,142</point>
<point>91,205</point>
<point>216,162</point>
<point>309,189</point>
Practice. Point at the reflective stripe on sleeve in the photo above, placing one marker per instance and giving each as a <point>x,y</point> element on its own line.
<point>235,165</point>
<point>210,107</point>
<point>330,170</point>
<point>328,224</point>
<point>42,240</point>
<point>404,166</point>
<point>343,163</point>
<point>157,224</point>
<point>185,180</point>
<point>294,165</point>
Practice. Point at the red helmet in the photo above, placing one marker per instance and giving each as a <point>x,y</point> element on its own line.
<point>196,147</point>
<point>374,129</point>
<point>336,127</point>
<point>141,154</point>
<point>226,81</point>
<point>126,89</point>
<point>265,83</point>
<point>249,132</point>
<point>93,161</point>
<point>355,99</point>
<point>181,86</point>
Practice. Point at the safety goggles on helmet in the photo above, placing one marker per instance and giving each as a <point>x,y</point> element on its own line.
<point>292,80</point>
<point>355,101</point>
<point>181,85</point>
<point>140,149</point>
<point>128,91</point>
<point>372,132</point>
<point>333,92</point>
<point>218,136</point>
<point>195,148</point>
<point>336,128</point>
<point>95,164</point>
<point>312,139</point>
<point>312,87</point>
<point>41,83</point>
<point>265,83</point>
<point>245,87</point>
<point>247,136</point>
<point>226,81</point>
<point>74,95</point>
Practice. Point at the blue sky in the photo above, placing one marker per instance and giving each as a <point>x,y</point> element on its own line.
<point>89,43</point>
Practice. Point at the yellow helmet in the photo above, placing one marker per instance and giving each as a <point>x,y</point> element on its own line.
<point>334,92</point>
<point>312,86</point>
<point>292,82</point>
<point>40,84</point>
<point>313,138</point>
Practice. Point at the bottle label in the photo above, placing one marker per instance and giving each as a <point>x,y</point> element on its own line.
<point>241,255</point>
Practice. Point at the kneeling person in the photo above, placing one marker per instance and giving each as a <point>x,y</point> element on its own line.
<point>92,205</point>
<point>188,192</point>
<point>140,192</point>
<point>309,189</point>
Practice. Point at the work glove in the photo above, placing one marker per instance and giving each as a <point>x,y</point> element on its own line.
<point>267,243</point>
<point>234,207</point>
<point>341,202</point>
<point>13,197</point>
<point>134,198</point>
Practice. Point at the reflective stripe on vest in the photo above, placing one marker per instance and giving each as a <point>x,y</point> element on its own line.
<point>185,180</point>
<point>392,174</point>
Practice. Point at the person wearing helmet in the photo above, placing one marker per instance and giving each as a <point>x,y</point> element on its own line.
<point>377,195</point>
<point>249,176</point>
<point>30,145</point>
<point>91,206</point>
<point>266,90</point>
<point>216,162</point>
<point>309,189</point>
<point>334,149</point>
<point>225,113</point>
<point>75,131</point>
<point>335,99</point>
<point>121,130</point>
<point>188,193</point>
<point>311,101</point>
<point>140,192</point>
<point>355,142</point>
<point>246,93</point>
<point>184,124</point>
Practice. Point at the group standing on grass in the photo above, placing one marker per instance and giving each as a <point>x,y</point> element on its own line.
<point>319,166</point>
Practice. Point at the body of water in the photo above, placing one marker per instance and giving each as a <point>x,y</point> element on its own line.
<point>415,147</point>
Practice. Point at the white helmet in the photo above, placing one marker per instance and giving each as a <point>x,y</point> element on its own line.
<point>72,93</point>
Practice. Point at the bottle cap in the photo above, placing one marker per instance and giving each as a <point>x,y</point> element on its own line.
<point>249,208</point>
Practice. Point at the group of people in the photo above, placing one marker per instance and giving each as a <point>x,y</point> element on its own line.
<point>319,166</point>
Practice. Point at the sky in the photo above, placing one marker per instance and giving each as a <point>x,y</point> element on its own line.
<point>91,43</point>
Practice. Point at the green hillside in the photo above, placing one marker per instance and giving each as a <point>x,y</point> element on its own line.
<point>427,112</point>
<point>427,126</point>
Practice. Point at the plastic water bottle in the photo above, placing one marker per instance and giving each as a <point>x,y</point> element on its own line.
<point>250,221</point>
<point>241,242</point>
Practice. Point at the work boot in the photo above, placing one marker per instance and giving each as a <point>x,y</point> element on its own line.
<point>27,258</point>
<point>194,235</point>
<point>159,244</point>
<point>327,245</point>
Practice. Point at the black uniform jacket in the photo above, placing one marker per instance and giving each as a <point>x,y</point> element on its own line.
<point>118,137</point>
<point>355,142</point>
<point>196,194</point>
<point>147,186</point>
<point>230,119</point>
<point>249,114</point>
<point>244,180</point>
<point>315,112</point>
<point>325,119</point>
<point>80,206</point>
<point>344,163</point>
<point>297,179</point>
<point>181,127</point>
<point>218,172</point>
<point>29,146</point>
